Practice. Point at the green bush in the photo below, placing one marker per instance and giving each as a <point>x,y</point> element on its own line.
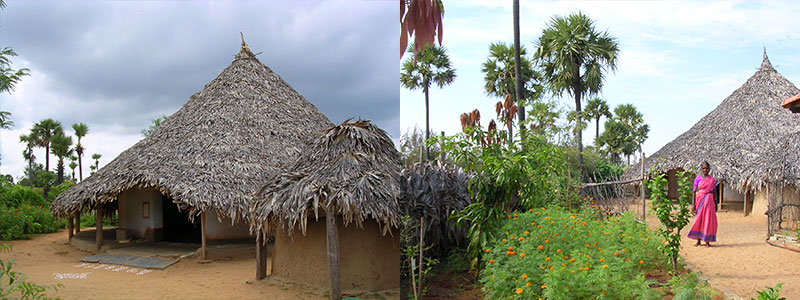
<point>23,212</point>
<point>15,285</point>
<point>556,253</point>
<point>689,287</point>
<point>57,190</point>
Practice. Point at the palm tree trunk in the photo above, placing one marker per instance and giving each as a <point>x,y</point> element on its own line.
<point>47,157</point>
<point>518,71</point>
<point>30,168</point>
<point>579,132</point>
<point>597,128</point>
<point>427,124</point>
<point>80,165</point>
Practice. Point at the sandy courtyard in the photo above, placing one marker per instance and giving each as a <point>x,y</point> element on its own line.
<point>741,261</point>
<point>48,260</point>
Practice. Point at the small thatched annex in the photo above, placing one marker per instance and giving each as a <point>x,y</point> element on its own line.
<point>351,171</point>
<point>207,159</point>
<point>751,142</point>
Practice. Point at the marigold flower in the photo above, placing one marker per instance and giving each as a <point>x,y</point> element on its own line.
<point>551,268</point>
<point>580,269</point>
<point>602,260</point>
<point>520,239</point>
<point>544,286</point>
<point>527,232</point>
<point>541,247</point>
<point>519,291</point>
<point>587,268</point>
<point>524,276</point>
<point>546,241</point>
<point>540,226</point>
<point>627,258</point>
<point>616,253</point>
<point>522,255</point>
<point>572,260</point>
<point>487,250</point>
<point>605,266</point>
<point>547,258</point>
<point>503,240</point>
<point>491,261</point>
<point>510,248</point>
<point>641,262</point>
<point>559,250</point>
<point>527,284</point>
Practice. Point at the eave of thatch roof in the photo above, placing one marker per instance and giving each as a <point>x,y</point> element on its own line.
<point>749,139</point>
<point>214,152</point>
<point>353,167</point>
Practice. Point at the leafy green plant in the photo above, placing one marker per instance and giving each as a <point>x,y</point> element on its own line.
<point>671,221</point>
<point>15,285</point>
<point>770,293</point>
<point>689,287</point>
<point>519,175</point>
<point>557,253</point>
<point>418,265</point>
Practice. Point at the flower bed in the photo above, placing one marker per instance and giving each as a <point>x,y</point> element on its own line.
<point>555,253</point>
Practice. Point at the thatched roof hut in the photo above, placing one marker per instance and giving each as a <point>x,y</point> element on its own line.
<point>351,173</point>
<point>353,167</point>
<point>744,138</point>
<point>214,152</point>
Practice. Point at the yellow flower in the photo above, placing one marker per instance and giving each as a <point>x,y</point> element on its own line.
<point>605,266</point>
<point>544,286</point>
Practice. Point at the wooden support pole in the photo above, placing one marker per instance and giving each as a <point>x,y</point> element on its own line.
<point>644,206</point>
<point>203,235</point>
<point>261,256</point>
<point>99,226</point>
<point>333,253</point>
<point>744,205</point>
<point>78,222</point>
<point>69,227</point>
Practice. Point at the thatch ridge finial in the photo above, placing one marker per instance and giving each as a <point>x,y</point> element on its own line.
<point>245,51</point>
<point>765,64</point>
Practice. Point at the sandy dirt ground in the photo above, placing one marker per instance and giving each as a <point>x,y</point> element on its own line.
<point>49,260</point>
<point>741,261</point>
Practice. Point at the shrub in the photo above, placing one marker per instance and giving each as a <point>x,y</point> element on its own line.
<point>15,285</point>
<point>689,287</point>
<point>556,253</point>
<point>22,221</point>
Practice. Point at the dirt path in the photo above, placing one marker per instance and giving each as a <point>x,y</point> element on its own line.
<point>45,258</point>
<point>741,261</point>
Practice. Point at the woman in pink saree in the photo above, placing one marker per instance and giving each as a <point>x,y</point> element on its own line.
<point>705,219</point>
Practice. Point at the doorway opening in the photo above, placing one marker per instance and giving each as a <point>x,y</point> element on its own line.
<point>177,227</point>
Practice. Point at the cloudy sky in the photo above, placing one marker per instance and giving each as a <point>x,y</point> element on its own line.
<point>678,59</point>
<point>116,65</point>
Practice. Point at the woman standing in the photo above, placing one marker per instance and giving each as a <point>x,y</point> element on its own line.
<point>705,219</point>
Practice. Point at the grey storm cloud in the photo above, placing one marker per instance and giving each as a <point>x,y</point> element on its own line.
<point>127,62</point>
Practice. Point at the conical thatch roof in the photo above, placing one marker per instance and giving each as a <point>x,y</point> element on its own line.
<point>749,139</point>
<point>353,166</point>
<point>213,153</point>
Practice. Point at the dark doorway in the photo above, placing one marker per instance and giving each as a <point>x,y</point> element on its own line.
<point>177,227</point>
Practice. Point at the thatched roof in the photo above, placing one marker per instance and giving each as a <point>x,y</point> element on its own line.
<point>353,167</point>
<point>749,139</point>
<point>213,153</point>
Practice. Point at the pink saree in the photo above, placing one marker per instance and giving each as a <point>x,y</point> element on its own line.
<point>705,221</point>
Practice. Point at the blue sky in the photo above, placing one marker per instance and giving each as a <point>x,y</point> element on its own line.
<point>677,60</point>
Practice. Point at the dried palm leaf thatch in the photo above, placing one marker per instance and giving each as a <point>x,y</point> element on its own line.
<point>433,191</point>
<point>353,167</point>
<point>744,138</point>
<point>214,152</point>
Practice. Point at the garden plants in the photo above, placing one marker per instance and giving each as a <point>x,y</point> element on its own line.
<point>671,221</point>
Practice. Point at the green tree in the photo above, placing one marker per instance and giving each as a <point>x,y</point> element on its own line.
<point>412,145</point>
<point>5,120</point>
<point>637,130</point>
<point>96,158</point>
<point>72,165</point>
<point>155,123</point>
<point>595,109</point>
<point>81,130</point>
<point>8,76</point>
<point>430,66</point>
<point>575,57</point>
<point>42,132</point>
<point>29,142</point>
<point>616,136</point>
<point>62,148</point>
<point>500,78</point>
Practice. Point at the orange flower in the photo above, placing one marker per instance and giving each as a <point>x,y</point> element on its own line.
<point>544,286</point>
<point>520,239</point>
<point>539,226</point>
<point>510,248</point>
<point>527,232</point>
<point>604,292</point>
<point>515,218</point>
<point>627,258</point>
<point>559,250</point>
<point>623,250</point>
<point>580,269</point>
<point>602,260</point>
<point>641,262</point>
<point>587,245</point>
<point>547,258</point>
<point>616,253</point>
<point>541,247</point>
<point>491,261</point>
<point>487,250</point>
<point>528,284</point>
<point>533,223</point>
<point>587,268</point>
<point>503,240</point>
<point>551,268</point>
<point>605,266</point>
<point>572,260</point>
<point>508,252</point>
<point>546,241</point>
<point>515,215</point>
<point>522,255</point>
<point>524,276</point>
<point>519,291</point>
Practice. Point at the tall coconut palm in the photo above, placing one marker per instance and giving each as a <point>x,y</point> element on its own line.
<point>575,58</point>
<point>29,142</point>
<point>500,78</point>
<point>43,131</point>
<point>96,158</point>
<point>62,148</point>
<point>431,65</point>
<point>80,131</point>
<point>595,109</point>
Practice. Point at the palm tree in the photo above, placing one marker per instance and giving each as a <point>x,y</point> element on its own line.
<point>43,132</point>
<point>8,76</point>
<point>72,165</point>
<point>628,115</point>
<point>30,142</point>
<point>432,65</point>
<point>614,139</point>
<point>80,131</point>
<point>595,109</point>
<point>501,80</point>
<point>575,57</point>
<point>62,147</point>
<point>96,158</point>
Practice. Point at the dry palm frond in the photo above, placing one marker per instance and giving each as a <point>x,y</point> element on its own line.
<point>214,152</point>
<point>353,167</point>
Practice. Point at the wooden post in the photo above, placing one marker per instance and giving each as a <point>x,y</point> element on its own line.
<point>203,235</point>
<point>333,253</point>
<point>744,205</point>
<point>261,256</point>
<point>99,226</point>
<point>78,222</point>
<point>69,227</point>
<point>644,206</point>
<point>421,248</point>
